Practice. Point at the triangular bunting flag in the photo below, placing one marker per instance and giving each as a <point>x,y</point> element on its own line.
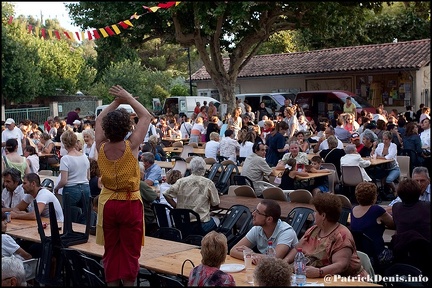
<point>103,32</point>
<point>78,36</point>
<point>57,34</point>
<point>43,33</point>
<point>50,33</point>
<point>167,4</point>
<point>89,35</point>
<point>30,28</point>
<point>115,28</point>
<point>96,34</point>
<point>110,32</point>
<point>10,20</point>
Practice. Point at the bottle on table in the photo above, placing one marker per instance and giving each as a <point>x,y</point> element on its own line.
<point>299,268</point>
<point>156,186</point>
<point>271,252</point>
<point>163,175</point>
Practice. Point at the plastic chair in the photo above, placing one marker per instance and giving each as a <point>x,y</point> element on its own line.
<point>74,264</point>
<point>162,213</point>
<point>240,160</point>
<point>351,176</point>
<point>225,180</point>
<point>300,196</point>
<point>94,266</point>
<point>193,145</point>
<point>182,221</point>
<point>220,158</point>
<point>93,279</point>
<point>167,281</point>
<point>346,209</point>
<point>169,233</point>
<point>45,172</point>
<point>274,193</point>
<point>209,160</point>
<point>245,191</point>
<point>30,266</point>
<point>243,180</point>
<point>402,270</point>
<point>301,219</point>
<point>365,244</point>
<point>404,166</point>
<point>177,144</point>
<point>235,224</point>
<point>186,150</point>
<point>366,263</point>
<point>48,184</point>
<point>180,165</point>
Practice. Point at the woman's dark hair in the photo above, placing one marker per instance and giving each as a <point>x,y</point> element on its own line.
<point>30,149</point>
<point>11,145</point>
<point>409,191</point>
<point>116,124</point>
<point>409,130</point>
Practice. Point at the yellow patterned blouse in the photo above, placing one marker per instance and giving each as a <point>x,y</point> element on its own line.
<point>121,181</point>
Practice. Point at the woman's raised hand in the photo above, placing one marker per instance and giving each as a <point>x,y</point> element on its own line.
<point>121,94</point>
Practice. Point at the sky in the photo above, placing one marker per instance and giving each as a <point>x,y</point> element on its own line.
<point>49,10</point>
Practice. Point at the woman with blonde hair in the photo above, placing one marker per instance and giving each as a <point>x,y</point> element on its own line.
<point>74,176</point>
<point>214,249</point>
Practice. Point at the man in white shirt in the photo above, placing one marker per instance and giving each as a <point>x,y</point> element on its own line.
<point>322,142</point>
<point>33,190</point>
<point>425,135</point>
<point>13,192</point>
<point>229,146</point>
<point>255,166</point>
<point>212,147</point>
<point>353,158</point>
<point>13,132</point>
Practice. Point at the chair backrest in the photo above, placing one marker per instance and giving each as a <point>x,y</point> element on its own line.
<point>188,159</point>
<point>243,180</point>
<point>346,209</point>
<point>402,271</point>
<point>169,233</point>
<point>167,281</point>
<point>48,183</point>
<point>245,191</point>
<point>209,160</point>
<point>30,266</point>
<point>181,218</point>
<point>214,169</point>
<point>181,166</point>
<point>366,263</point>
<point>235,224</point>
<point>193,145</point>
<point>274,193</point>
<point>74,265</point>
<point>94,266</point>
<point>70,237</point>
<point>46,172</point>
<point>162,213</point>
<point>186,150</point>
<point>225,179</point>
<point>413,158</point>
<point>93,279</point>
<point>177,144</point>
<point>365,244</point>
<point>220,158</point>
<point>300,196</point>
<point>300,219</point>
<point>404,166</point>
<point>351,175</point>
<point>240,160</point>
<point>226,162</point>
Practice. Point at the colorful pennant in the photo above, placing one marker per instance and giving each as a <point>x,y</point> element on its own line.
<point>107,31</point>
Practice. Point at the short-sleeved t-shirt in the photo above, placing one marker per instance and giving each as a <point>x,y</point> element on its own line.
<point>283,234</point>
<point>45,196</point>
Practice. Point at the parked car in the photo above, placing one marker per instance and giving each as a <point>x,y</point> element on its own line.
<point>325,103</point>
<point>186,104</point>
<point>273,101</point>
<point>125,106</point>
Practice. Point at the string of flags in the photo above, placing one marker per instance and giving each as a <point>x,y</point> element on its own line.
<point>92,34</point>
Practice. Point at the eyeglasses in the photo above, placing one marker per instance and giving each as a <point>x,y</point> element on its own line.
<point>262,214</point>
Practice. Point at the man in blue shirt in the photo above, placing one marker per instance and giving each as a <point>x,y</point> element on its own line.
<point>152,171</point>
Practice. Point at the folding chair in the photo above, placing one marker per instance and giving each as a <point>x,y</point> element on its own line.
<point>182,220</point>
<point>300,219</point>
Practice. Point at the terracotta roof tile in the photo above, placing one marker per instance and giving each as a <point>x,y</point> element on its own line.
<point>401,55</point>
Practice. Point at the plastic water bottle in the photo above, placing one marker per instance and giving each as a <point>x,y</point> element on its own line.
<point>299,268</point>
<point>156,186</point>
<point>163,175</point>
<point>271,252</point>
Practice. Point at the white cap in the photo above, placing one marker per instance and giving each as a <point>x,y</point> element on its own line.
<point>77,122</point>
<point>9,121</point>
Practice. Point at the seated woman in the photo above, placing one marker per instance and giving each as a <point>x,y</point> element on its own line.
<point>328,244</point>
<point>214,249</point>
<point>371,219</point>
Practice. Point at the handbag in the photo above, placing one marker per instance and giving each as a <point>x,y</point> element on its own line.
<point>278,178</point>
<point>390,165</point>
<point>181,277</point>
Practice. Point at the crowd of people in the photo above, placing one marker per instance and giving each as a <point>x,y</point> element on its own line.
<point>113,159</point>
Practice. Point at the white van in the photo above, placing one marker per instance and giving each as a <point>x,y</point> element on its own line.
<point>125,106</point>
<point>186,104</point>
<point>273,101</point>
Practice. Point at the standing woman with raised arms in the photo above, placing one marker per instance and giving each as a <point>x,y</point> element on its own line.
<point>120,226</point>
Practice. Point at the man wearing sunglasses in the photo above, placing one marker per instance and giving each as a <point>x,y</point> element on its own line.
<point>267,227</point>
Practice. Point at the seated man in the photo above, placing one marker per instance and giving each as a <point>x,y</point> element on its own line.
<point>13,192</point>
<point>195,192</point>
<point>267,226</point>
<point>229,146</point>
<point>352,158</point>
<point>212,147</point>
<point>255,166</point>
<point>33,190</point>
<point>148,195</point>
<point>421,176</point>
<point>152,171</point>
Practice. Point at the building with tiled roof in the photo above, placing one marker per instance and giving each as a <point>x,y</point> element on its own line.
<point>396,74</point>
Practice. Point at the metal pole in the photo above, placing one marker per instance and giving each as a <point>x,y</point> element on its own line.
<point>190,72</point>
